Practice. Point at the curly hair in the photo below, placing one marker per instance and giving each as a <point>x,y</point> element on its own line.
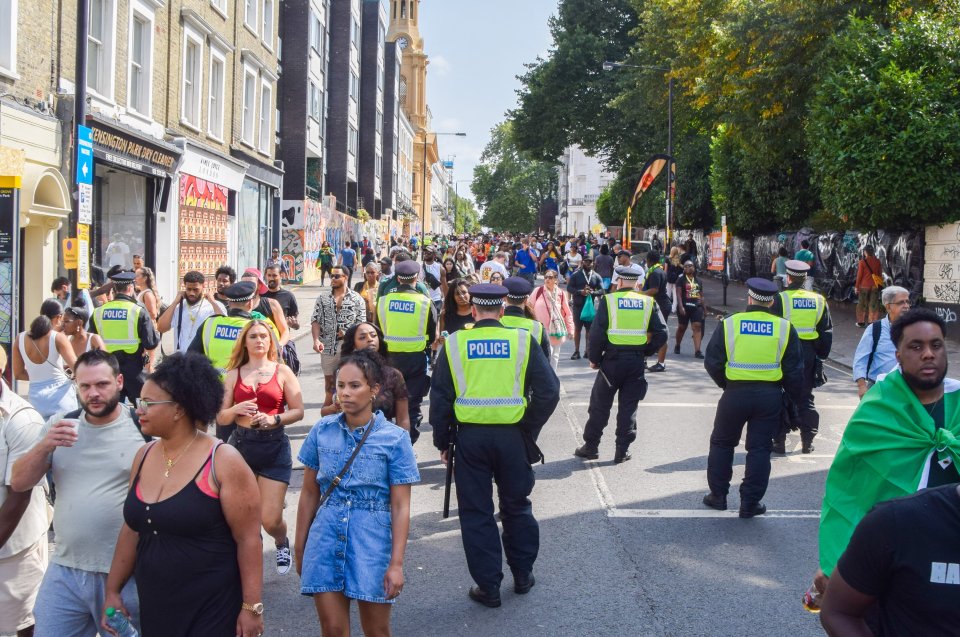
<point>241,355</point>
<point>192,383</point>
<point>370,364</point>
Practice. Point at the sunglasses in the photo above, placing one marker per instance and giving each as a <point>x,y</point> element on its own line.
<point>550,276</point>
<point>336,276</point>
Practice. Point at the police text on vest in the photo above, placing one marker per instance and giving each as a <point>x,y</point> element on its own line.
<point>115,315</point>
<point>488,349</point>
<point>628,303</point>
<point>407,307</point>
<point>227,332</point>
<point>756,328</point>
<point>800,303</point>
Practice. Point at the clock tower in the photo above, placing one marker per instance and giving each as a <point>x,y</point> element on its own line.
<point>412,96</point>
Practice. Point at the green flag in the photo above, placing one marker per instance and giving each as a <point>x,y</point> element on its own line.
<point>885,453</point>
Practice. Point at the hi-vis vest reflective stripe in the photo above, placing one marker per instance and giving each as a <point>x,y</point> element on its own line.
<point>220,334</point>
<point>116,323</point>
<point>755,344</point>
<point>489,366</point>
<point>532,326</point>
<point>403,319</point>
<point>629,315</point>
<point>804,309</point>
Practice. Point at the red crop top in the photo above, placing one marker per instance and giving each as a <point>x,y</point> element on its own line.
<point>269,395</point>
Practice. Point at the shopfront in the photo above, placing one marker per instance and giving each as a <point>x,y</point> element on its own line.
<point>209,186</point>
<point>258,213</point>
<point>133,180</point>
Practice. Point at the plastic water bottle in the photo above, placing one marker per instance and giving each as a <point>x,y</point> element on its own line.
<point>120,623</point>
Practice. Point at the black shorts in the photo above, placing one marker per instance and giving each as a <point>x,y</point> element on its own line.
<point>694,313</point>
<point>664,309</point>
<point>266,451</point>
<point>576,309</point>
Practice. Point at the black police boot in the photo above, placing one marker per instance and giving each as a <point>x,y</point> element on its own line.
<point>490,600</point>
<point>523,582</point>
<point>807,446</point>
<point>622,455</point>
<point>779,446</point>
<point>751,510</point>
<point>715,501</point>
<point>587,451</point>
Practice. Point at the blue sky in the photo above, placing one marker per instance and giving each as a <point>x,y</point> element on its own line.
<point>476,49</point>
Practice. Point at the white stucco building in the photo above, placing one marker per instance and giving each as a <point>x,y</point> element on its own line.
<point>582,179</point>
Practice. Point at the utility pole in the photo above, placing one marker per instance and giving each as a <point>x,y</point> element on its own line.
<point>79,174</point>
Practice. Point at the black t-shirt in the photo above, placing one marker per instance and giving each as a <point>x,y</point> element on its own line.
<point>906,553</point>
<point>946,473</point>
<point>286,300</point>
<point>657,278</point>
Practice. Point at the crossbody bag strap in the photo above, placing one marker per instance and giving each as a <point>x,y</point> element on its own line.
<point>180,322</point>
<point>336,481</point>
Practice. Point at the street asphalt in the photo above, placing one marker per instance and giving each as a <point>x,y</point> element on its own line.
<point>625,549</point>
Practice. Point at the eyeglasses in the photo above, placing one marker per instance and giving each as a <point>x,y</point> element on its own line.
<point>143,404</point>
<point>336,276</point>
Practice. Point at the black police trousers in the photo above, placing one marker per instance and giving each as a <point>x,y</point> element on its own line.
<point>413,366</point>
<point>809,418</point>
<point>759,406</point>
<point>495,452</point>
<point>624,371</point>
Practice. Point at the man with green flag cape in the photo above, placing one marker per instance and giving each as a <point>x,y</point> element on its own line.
<point>903,437</point>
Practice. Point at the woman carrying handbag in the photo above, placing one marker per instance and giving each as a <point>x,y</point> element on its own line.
<point>551,306</point>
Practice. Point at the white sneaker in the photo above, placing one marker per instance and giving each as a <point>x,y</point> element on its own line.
<point>283,558</point>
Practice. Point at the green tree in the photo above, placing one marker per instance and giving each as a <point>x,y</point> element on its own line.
<point>465,215</point>
<point>884,126</point>
<point>510,185</point>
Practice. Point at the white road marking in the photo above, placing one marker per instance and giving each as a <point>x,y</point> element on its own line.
<point>705,405</point>
<point>599,484</point>
<point>709,513</point>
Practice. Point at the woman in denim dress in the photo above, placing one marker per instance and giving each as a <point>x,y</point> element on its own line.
<point>353,547</point>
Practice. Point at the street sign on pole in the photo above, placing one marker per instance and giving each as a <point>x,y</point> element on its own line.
<point>85,174</point>
<point>83,255</point>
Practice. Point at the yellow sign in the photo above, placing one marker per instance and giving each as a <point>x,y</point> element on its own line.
<point>70,253</point>
<point>83,255</point>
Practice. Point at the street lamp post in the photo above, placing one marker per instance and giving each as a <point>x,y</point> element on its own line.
<point>609,66</point>
<point>423,188</point>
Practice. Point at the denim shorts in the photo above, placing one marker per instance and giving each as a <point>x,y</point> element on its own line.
<point>267,452</point>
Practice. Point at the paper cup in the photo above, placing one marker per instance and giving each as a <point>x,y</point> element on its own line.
<point>75,423</point>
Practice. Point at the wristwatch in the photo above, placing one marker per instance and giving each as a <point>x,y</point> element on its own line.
<point>276,420</point>
<point>256,609</point>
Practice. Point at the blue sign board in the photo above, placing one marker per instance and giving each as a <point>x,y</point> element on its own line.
<point>84,155</point>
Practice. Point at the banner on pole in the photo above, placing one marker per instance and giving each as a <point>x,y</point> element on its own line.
<point>715,252</point>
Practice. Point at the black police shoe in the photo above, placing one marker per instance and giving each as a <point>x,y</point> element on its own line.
<point>588,452</point>
<point>622,455</point>
<point>807,447</point>
<point>751,510</point>
<point>779,447</point>
<point>715,501</point>
<point>487,599</point>
<point>523,583</point>
<point>659,367</point>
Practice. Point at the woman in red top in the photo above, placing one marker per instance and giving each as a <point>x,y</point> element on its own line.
<point>262,396</point>
<point>868,292</point>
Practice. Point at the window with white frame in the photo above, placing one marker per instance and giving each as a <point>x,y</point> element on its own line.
<point>316,33</point>
<point>353,140</point>
<point>379,122</point>
<point>314,101</point>
<point>266,116</point>
<point>100,45</point>
<point>141,63</point>
<point>249,105</point>
<point>215,106</point>
<point>220,5</point>
<point>355,34</point>
<point>250,14</point>
<point>267,32</point>
<point>354,86</point>
<point>8,37</point>
<point>192,78</point>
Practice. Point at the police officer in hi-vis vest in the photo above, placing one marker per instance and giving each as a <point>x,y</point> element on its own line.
<point>218,334</point>
<point>494,385</point>
<point>628,327</point>
<point>809,313</point>
<point>753,356</point>
<point>409,326</point>
<point>516,313</point>
<point>127,331</point>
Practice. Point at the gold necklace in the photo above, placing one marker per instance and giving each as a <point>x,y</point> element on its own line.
<point>172,462</point>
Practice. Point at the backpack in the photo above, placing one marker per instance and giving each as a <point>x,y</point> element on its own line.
<point>289,355</point>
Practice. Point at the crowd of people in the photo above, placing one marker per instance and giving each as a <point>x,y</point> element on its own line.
<point>153,508</point>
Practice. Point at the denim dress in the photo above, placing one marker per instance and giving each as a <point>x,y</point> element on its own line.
<point>350,541</point>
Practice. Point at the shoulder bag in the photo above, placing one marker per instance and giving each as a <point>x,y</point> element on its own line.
<point>877,278</point>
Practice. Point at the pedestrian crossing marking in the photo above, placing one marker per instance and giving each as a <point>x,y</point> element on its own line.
<point>704,405</point>
<point>709,513</point>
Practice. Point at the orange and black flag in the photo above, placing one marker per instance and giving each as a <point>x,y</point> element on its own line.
<point>650,172</point>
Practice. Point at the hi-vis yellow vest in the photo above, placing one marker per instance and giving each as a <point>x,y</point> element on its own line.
<point>403,319</point>
<point>220,334</point>
<point>804,310</point>
<point>489,366</point>
<point>628,317</point>
<point>534,327</point>
<point>755,343</point>
<point>116,323</point>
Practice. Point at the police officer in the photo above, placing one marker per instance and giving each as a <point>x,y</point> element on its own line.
<point>627,327</point>
<point>753,356</point>
<point>409,327</point>
<point>809,313</point>
<point>496,385</point>
<point>515,314</point>
<point>127,332</point>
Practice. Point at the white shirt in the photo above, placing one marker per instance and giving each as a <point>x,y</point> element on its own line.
<point>183,332</point>
<point>489,267</point>
<point>435,269</point>
<point>17,436</point>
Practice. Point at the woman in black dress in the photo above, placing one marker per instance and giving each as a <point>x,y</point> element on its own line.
<point>192,516</point>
